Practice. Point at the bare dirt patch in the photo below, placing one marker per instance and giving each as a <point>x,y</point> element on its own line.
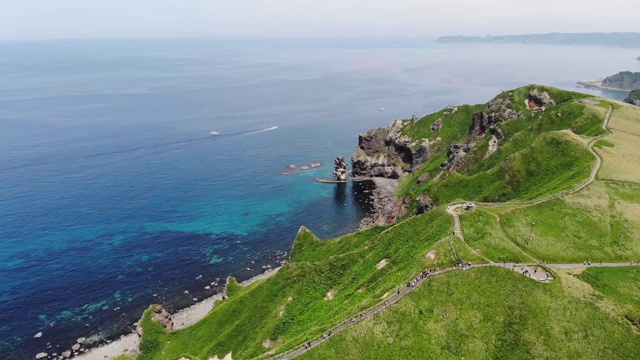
<point>329,295</point>
<point>382,264</point>
<point>431,255</point>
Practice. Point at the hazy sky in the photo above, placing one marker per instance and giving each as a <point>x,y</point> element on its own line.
<point>64,19</point>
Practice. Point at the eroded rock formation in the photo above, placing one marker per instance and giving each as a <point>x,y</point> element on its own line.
<point>340,169</point>
<point>425,204</point>
<point>538,100</point>
<point>161,316</point>
<point>384,152</point>
<point>487,120</point>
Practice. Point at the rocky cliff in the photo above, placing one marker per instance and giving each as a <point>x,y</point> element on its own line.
<point>633,98</point>
<point>625,80</point>
<point>385,155</point>
<point>384,152</point>
<point>461,138</point>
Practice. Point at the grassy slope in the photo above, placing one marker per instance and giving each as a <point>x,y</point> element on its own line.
<point>622,285</point>
<point>584,226</point>
<point>536,157</point>
<point>486,313</point>
<point>290,307</point>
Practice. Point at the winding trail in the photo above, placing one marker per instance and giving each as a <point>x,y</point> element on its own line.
<point>543,276</point>
<point>529,269</point>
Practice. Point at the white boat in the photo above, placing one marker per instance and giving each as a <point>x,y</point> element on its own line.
<point>215,133</point>
<point>381,109</point>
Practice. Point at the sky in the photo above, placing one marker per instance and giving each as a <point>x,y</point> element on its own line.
<point>116,19</point>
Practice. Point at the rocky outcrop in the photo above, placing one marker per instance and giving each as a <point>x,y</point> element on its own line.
<point>538,100</point>
<point>633,98</point>
<point>386,207</point>
<point>161,316</point>
<point>455,154</point>
<point>425,204</point>
<point>486,121</point>
<point>437,126</point>
<point>384,152</point>
<point>340,169</point>
<point>625,80</point>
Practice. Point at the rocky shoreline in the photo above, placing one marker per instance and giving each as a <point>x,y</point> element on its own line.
<point>129,344</point>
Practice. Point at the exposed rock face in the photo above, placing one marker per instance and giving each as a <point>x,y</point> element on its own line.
<point>425,204</point>
<point>161,316</point>
<point>633,98</point>
<point>625,80</point>
<point>456,153</point>
<point>387,209</point>
<point>340,169</point>
<point>437,126</point>
<point>538,101</point>
<point>383,152</point>
<point>487,121</point>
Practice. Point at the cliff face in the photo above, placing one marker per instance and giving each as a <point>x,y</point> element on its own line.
<point>633,98</point>
<point>625,80</point>
<point>385,153</point>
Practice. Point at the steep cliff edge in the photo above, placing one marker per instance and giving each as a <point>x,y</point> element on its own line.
<point>385,153</point>
<point>486,152</point>
<point>633,98</point>
<point>625,80</point>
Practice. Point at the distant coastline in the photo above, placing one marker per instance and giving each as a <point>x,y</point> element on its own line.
<point>617,39</point>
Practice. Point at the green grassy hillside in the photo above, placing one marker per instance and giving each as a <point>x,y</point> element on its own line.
<point>487,313</point>
<point>484,313</point>
<point>541,153</point>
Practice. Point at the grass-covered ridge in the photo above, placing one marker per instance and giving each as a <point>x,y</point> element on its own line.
<point>482,313</point>
<point>325,282</point>
<point>542,151</point>
<point>487,313</point>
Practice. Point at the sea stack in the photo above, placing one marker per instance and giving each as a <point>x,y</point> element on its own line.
<point>340,169</point>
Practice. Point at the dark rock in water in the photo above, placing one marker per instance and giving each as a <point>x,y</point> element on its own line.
<point>340,169</point>
<point>539,101</point>
<point>425,204</point>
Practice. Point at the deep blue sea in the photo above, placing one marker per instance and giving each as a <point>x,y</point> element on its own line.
<point>113,195</point>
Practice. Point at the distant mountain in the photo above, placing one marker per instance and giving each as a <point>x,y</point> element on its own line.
<point>625,40</point>
<point>624,80</point>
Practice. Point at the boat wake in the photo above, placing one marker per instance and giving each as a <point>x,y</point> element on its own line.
<point>134,149</point>
<point>248,131</point>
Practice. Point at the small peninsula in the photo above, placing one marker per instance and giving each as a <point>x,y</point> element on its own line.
<point>622,81</point>
<point>633,98</point>
<point>616,39</point>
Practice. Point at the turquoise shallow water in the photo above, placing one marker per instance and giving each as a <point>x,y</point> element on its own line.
<point>112,190</point>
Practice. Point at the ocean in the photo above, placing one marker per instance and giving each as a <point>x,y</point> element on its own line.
<point>114,196</point>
